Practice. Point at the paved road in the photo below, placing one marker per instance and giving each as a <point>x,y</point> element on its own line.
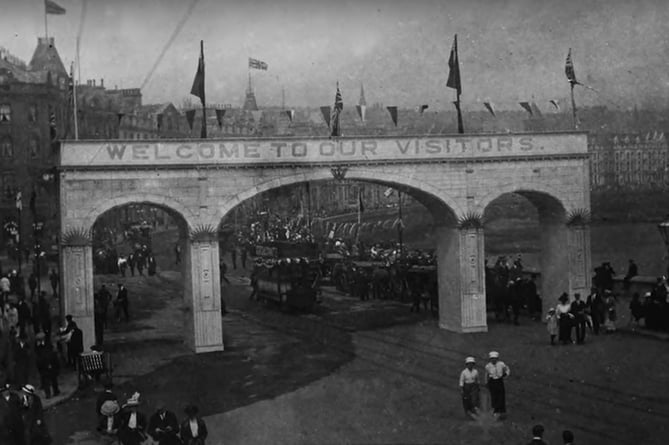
<point>374,374</point>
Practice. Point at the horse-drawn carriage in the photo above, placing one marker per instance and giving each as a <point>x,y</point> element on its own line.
<point>287,273</point>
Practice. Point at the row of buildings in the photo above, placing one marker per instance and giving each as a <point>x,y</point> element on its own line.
<point>36,111</point>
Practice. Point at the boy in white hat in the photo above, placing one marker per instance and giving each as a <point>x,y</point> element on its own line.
<point>469,387</point>
<point>496,372</point>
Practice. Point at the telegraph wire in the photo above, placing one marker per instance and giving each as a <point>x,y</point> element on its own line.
<point>174,35</point>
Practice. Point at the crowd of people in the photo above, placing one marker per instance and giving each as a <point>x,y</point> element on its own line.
<point>130,424</point>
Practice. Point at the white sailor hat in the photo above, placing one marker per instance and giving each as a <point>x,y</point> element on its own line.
<point>470,360</point>
<point>493,354</point>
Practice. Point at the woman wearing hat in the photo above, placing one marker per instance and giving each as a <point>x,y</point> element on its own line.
<point>193,430</point>
<point>469,387</point>
<point>565,318</point>
<point>133,423</point>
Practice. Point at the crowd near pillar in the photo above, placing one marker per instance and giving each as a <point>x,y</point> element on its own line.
<point>76,286</point>
<point>204,329</point>
<point>462,304</point>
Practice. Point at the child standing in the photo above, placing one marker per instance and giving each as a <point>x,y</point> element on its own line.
<point>552,324</point>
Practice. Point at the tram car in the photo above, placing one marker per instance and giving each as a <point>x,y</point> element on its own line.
<point>287,273</point>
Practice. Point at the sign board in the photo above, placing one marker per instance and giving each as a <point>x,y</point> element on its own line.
<point>295,151</point>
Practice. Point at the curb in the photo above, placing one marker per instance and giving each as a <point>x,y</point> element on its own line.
<point>64,395</point>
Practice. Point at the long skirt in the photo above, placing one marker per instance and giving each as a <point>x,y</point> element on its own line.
<point>565,324</point>
<point>470,396</point>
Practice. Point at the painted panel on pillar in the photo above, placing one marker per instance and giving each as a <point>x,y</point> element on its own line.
<point>78,268</point>
<point>577,258</point>
<point>208,329</point>
<point>473,310</point>
<point>206,279</point>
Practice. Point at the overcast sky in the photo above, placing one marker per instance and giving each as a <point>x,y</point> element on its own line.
<point>510,50</point>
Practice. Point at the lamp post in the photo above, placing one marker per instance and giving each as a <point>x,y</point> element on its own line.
<point>663,228</point>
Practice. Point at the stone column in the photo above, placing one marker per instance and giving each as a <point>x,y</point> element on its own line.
<point>76,282</point>
<point>461,274</point>
<point>579,259</point>
<point>202,295</point>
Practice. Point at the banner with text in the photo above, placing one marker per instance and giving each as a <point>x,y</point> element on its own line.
<point>278,151</point>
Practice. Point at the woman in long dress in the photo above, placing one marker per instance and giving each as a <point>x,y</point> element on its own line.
<point>565,322</point>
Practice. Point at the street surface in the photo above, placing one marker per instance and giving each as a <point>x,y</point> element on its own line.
<point>370,372</point>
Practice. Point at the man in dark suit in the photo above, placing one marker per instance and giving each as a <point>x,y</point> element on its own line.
<point>164,427</point>
<point>133,423</point>
<point>76,345</point>
<point>122,303</point>
<point>537,435</point>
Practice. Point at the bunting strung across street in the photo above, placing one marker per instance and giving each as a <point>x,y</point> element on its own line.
<point>527,107</point>
<point>489,107</point>
<point>393,114</point>
<point>190,117</point>
<point>421,108</point>
<point>257,64</point>
<point>325,111</point>
<point>219,117</point>
<point>555,103</point>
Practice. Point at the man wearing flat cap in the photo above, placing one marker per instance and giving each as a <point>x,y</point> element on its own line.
<point>469,387</point>
<point>496,371</point>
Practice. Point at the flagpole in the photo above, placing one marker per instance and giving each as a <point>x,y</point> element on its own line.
<point>74,102</point>
<point>203,133</point>
<point>461,128</point>
<point>46,24</point>
<point>573,106</point>
<point>399,226</point>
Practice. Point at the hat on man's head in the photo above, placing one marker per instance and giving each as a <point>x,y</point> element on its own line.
<point>132,401</point>
<point>109,408</point>
<point>30,389</point>
<point>493,354</point>
<point>470,360</point>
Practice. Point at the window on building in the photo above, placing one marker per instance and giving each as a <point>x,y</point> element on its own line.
<point>5,113</point>
<point>8,183</point>
<point>6,148</point>
<point>32,113</point>
<point>34,146</point>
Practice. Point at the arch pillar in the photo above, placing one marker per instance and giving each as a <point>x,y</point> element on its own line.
<point>202,295</point>
<point>461,275</point>
<point>579,259</point>
<point>554,260</point>
<point>76,282</point>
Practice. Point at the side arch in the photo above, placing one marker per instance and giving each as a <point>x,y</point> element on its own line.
<point>535,193</point>
<point>167,202</point>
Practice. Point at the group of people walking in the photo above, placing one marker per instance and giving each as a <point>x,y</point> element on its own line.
<point>495,372</point>
<point>129,423</point>
<point>22,417</point>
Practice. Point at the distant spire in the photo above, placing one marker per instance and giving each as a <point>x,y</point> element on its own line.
<point>362,100</point>
<point>250,87</point>
<point>283,98</point>
<point>250,100</point>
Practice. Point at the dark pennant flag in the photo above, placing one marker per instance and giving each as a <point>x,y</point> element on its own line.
<point>569,69</point>
<point>336,111</point>
<point>454,68</point>
<point>198,83</point>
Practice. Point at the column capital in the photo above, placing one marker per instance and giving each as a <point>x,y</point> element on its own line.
<point>470,222</point>
<point>76,237</point>
<point>578,218</point>
<point>204,234</point>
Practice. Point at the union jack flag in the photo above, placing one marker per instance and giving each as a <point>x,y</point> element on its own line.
<point>257,64</point>
<point>336,111</point>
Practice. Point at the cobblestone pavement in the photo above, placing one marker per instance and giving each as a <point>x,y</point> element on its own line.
<point>330,378</point>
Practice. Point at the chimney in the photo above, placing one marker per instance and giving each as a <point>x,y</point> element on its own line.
<point>102,83</point>
<point>93,82</point>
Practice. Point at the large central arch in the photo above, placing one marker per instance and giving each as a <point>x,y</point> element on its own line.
<point>455,177</point>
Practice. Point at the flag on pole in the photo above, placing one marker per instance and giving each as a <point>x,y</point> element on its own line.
<point>421,108</point>
<point>454,68</point>
<point>393,114</point>
<point>489,107</point>
<point>198,82</point>
<point>19,202</point>
<point>569,69</point>
<point>219,118</point>
<point>190,117</point>
<point>325,111</point>
<point>555,103</point>
<point>290,114</point>
<point>527,107</point>
<point>362,100</point>
<point>336,112</point>
<point>257,64</point>
<point>53,8</point>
